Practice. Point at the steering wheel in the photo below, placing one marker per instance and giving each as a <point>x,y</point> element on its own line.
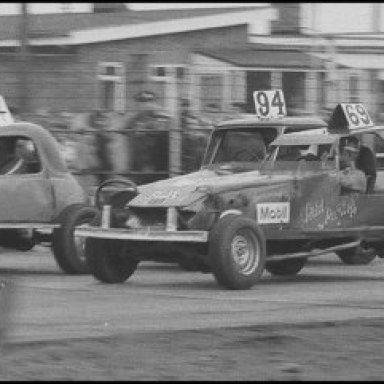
<point>129,183</point>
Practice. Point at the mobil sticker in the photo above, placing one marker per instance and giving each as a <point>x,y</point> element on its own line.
<point>273,213</point>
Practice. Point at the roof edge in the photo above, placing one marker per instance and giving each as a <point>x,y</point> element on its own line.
<point>145,29</point>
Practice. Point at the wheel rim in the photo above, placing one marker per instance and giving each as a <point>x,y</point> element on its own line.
<point>245,252</point>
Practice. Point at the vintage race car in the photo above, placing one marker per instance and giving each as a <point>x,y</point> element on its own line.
<point>240,215</point>
<point>40,200</point>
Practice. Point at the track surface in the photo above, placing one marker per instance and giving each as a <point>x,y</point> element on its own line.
<point>48,305</point>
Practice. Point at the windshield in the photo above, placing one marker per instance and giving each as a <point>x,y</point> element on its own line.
<point>241,148</point>
<point>291,158</point>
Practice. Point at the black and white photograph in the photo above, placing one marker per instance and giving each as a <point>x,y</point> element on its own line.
<point>192,191</point>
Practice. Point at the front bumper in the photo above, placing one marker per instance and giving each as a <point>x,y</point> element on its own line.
<point>141,235</point>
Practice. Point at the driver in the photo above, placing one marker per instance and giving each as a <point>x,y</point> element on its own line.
<point>366,161</point>
<point>10,162</point>
<point>352,179</point>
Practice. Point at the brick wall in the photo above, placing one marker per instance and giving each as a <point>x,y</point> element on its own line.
<point>69,82</point>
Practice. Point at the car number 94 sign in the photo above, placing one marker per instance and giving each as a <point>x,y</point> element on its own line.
<point>270,104</point>
<point>357,115</point>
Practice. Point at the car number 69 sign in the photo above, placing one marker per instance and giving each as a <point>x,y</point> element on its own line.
<point>357,115</point>
<point>269,104</point>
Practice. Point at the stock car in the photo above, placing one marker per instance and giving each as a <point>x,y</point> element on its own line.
<point>41,201</point>
<point>236,218</point>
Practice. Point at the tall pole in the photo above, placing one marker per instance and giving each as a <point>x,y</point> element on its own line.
<point>175,137</point>
<point>23,59</point>
<point>311,75</point>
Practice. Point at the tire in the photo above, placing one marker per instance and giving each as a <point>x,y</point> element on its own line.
<point>68,251</point>
<point>230,238</point>
<point>357,256</point>
<point>108,260</point>
<point>289,267</point>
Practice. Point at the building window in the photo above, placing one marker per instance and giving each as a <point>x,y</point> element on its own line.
<point>256,81</point>
<point>164,72</point>
<point>211,92</point>
<point>380,108</point>
<point>294,92</point>
<point>379,149</point>
<point>323,90</point>
<point>353,89</point>
<point>111,79</point>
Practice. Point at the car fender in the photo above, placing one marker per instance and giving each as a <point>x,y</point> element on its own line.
<point>230,212</point>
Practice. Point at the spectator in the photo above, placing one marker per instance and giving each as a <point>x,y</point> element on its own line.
<point>149,148</point>
<point>118,148</point>
<point>86,151</point>
<point>98,121</point>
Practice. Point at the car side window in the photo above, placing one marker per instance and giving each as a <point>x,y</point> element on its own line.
<point>18,155</point>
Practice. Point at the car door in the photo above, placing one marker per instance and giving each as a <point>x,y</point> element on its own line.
<point>25,196</point>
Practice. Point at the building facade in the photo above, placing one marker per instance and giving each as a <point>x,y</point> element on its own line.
<point>101,60</point>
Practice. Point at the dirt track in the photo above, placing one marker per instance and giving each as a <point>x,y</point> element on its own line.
<point>333,351</point>
<point>324,324</point>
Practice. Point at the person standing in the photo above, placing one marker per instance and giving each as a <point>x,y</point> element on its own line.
<point>102,145</point>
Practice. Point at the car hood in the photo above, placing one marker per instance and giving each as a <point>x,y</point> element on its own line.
<point>182,191</point>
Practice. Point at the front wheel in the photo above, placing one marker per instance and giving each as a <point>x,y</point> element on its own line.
<point>237,252</point>
<point>109,260</point>
<point>357,256</point>
<point>68,250</point>
<point>288,267</point>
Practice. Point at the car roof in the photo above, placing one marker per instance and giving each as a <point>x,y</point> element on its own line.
<point>289,121</point>
<point>47,143</point>
<point>305,139</point>
<point>23,128</point>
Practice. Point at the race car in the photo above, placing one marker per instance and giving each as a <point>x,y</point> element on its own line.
<point>40,200</point>
<point>240,214</point>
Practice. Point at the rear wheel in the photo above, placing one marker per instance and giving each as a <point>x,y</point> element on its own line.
<point>357,256</point>
<point>109,260</point>
<point>236,252</point>
<point>288,267</point>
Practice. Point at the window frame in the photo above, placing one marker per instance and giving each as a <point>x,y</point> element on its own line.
<point>17,137</point>
<point>118,80</point>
